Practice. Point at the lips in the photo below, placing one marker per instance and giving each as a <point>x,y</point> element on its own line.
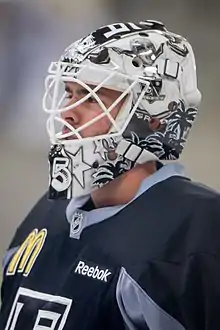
<point>66,130</point>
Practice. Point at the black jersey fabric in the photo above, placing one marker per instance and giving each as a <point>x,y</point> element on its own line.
<point>153,265</point>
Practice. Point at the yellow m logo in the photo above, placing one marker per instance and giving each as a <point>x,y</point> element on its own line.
<point>25,257</point>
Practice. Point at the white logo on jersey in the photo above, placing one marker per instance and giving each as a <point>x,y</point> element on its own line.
<point>93,272</point>
<point>39,311</point>
<point>76,223</point>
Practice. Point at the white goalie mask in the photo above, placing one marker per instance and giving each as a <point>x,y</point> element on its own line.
<point>154,74</point>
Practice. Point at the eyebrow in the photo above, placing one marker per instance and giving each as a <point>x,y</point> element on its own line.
<point>67,89</point>
<point>84,91</point>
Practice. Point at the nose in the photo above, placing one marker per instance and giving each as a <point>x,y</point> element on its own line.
<point>71,115</point>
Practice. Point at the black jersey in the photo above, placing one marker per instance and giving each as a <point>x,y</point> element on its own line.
<point>153,265</point>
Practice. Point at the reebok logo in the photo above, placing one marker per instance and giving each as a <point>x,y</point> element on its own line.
<point>94,272</point>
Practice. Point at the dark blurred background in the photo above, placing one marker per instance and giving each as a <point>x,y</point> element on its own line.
<point>33,33</point>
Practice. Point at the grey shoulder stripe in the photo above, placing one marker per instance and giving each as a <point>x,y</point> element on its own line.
<point>139,310</point>
<point>7,256</point>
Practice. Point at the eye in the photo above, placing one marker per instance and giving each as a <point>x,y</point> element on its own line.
<point>91,100</point>
<point>68,96</point>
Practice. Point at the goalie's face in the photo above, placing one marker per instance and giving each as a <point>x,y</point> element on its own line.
<point>88,110</point>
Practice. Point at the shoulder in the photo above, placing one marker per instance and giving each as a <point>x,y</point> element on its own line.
<point>180,217</point>
<point>193,211</point>
<point>42,215</point>
<point>187,218</point>
<point>179,198</point>
<point>197,197</point>
<point>31,221</point>
<point>183,186</point>
<point>185,193</point>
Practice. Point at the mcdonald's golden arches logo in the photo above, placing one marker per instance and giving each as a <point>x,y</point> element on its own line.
<point>25,257</point>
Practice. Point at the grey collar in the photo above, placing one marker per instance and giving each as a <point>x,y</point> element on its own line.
<point>80,219</point>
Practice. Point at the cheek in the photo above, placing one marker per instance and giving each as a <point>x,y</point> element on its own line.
<point>102,126</point>
<point>98,127</point>
<point>117,108</point>
<point>105,122</point>
<point>115,111</point>
<point>90,114</point>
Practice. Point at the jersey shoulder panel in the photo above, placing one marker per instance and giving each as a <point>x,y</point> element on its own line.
<point>41,216</point>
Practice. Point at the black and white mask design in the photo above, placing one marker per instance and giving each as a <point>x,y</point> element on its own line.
<point>155,74</point>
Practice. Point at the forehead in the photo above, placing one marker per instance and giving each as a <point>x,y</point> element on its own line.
<point>75,87</point>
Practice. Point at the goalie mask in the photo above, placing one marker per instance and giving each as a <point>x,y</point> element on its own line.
<point>149,75</point>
